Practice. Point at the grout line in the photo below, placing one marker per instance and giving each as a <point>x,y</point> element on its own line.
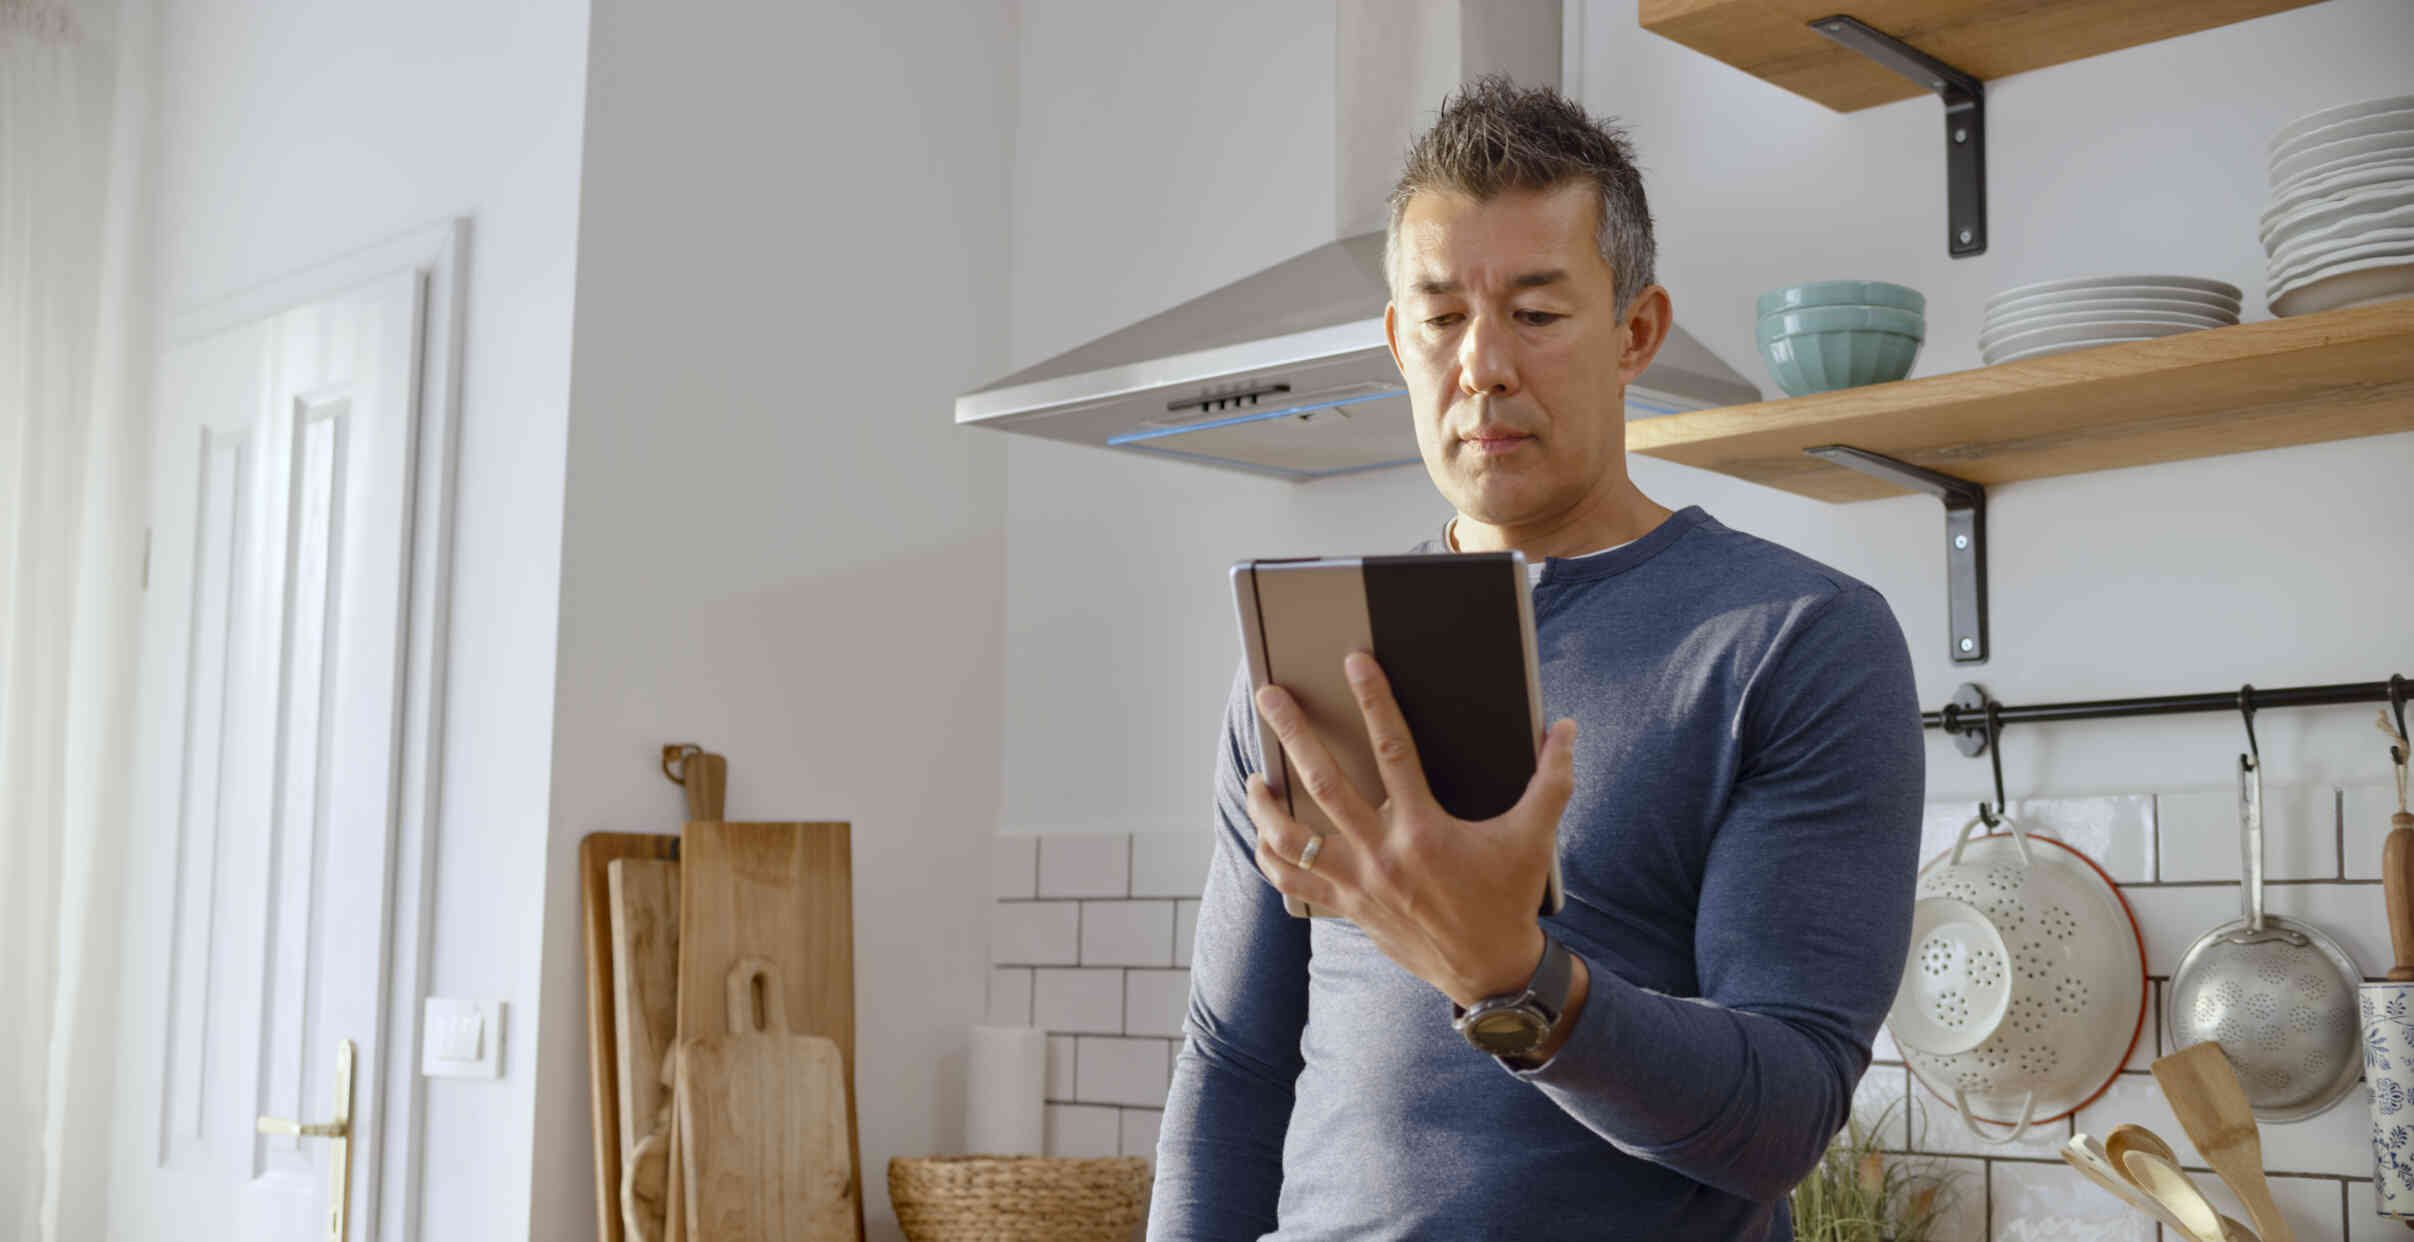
<point>2154,803</point>
<point>1131,854</point>
<point>2338,822</point>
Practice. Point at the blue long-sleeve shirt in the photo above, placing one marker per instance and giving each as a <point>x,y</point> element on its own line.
<point>1738,855</point>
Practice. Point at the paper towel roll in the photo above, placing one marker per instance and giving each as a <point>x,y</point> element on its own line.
<point>1005,1087</point>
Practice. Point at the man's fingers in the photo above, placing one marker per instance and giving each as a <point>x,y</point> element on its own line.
<point>1386,729</point>
<point>1554,770</point>
<point>1281,845</point>
<point>1313,768</point>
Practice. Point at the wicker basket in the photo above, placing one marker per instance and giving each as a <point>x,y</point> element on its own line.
<point>1019,1198</point>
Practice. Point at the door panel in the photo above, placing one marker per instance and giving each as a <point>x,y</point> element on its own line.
<point>273,664</point>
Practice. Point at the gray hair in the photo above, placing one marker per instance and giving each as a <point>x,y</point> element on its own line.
<point>1494,136</point>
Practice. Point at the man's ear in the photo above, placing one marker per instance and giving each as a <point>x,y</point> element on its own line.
<point>1647,324</point>
<point>1391,334</point>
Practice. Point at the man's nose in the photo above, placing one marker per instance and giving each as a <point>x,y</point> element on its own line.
<point>1486,359</point>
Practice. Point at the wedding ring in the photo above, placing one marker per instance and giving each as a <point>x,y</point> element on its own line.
<point>1307,857</point>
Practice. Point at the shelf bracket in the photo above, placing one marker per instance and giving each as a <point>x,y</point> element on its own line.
<point>1965,124</point>
<point>1965,540</point>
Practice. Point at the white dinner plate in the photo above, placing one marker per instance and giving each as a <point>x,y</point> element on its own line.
<point>2314,265</point>
<point>2362,283</point>
<point>1996,335</point>
<point>2336,186</point>
<point>2382,207</point>
<point>2395,121</point>
<point>2312,121</point>
<point>2063,348</point>
<point>2329,157</point>
<point>2069,306</point>
<point>2123,330</point>
<point>2195,287</point>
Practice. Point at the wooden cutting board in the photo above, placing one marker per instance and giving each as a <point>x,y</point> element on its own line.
<point>782,892</point>
<point>645,987</point>
<point>596,853</point>
<point>764,1148</point>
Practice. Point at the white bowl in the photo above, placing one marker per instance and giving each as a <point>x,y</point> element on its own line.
<point>2330,157</point>
<point>2124,286</point>
<point>1997,334</point>
<point>2122,329</point>
<point>2067,347</point>
<point>2387,174</point>
<point>2377,207</point>
<point>2312,121</point>
<point>2394,121</point>
<point>1957,983</point>
<point>2361,283</point>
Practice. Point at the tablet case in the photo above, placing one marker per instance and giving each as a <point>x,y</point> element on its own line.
<point>1454,633</point>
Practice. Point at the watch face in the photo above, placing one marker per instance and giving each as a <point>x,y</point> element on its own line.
<point>1507,1032</point>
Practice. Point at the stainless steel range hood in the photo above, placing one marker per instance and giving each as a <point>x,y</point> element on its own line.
<point>1286,372</point>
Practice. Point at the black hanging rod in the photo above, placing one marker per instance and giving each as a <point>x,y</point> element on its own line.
<point>1966,716</point>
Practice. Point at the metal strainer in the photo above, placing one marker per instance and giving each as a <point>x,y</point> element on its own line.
<point>2277,995</point>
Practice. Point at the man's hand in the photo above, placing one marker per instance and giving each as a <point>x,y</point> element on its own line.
<point>1453,901</point>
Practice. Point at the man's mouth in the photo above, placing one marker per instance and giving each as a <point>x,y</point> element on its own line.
<point>1490,442</point>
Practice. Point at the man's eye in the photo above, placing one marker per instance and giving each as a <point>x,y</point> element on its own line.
<point>1539,318</point>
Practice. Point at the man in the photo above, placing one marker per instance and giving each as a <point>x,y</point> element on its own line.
<point>1734,784</point>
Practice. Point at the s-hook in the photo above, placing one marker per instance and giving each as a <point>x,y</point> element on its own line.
<point>1994,757</point>
<point>2397,704</point>
<point>2253,759</point>
<point>680,753</point>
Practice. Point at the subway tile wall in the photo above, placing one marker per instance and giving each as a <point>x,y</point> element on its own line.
<point>1092,934</point>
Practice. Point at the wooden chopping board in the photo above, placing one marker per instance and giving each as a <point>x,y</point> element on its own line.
<point>764,1148</point>
<point>596,852</point>
<point>782,892</point>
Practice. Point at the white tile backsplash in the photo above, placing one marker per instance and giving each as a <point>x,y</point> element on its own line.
<point>2313,1206</point>
<point>2364,812</point>
<point>1877,1105</point>
<point>1013,867</point>
<point>1171,864</point>
<point>1083,1131</point>
<point>1155,1001</point>
<point>1086,1000</point>
<point>1123,1071</point>
<point>1010,996</point>
<point>1035,933</point>
<point>1085,866</point>
<point>2201,834</point>
<point>2175,856</point>
<point>1127,933</point>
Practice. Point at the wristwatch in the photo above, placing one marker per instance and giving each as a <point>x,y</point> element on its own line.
<point>1516,1023</point>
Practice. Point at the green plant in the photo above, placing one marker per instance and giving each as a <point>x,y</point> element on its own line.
<point>1862,1194</point>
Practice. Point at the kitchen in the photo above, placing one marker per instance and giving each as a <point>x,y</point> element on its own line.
<point>1000,657</point>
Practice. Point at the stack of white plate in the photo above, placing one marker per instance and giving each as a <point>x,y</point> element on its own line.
<point>2340,228</point>
<point>2055,316</point>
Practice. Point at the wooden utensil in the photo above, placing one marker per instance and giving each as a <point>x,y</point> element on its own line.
<point>765,1150</point>
<point>2204,1094</point>
<point>2093,1159</point>
<point>2121,1140</point>
<point>783,893</point>
<point>596,853</point>
<point>2171,1188</point>
<point>2397,886</point>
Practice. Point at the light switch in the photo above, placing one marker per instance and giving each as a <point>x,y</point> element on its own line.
<point>461,1038</point>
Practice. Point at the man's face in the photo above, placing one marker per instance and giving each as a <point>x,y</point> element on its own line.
<point>1505,326</point>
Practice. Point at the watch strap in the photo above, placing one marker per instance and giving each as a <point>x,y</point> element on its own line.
<point>1545,991</point>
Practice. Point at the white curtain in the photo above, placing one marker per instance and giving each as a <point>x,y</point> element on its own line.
<point>75,84</point>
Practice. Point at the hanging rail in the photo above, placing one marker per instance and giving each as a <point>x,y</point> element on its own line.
<point>1966,716</point>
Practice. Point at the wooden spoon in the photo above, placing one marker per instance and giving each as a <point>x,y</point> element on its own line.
<point>2084,1153</point>
<point>2170,1187</point>
<point>2204,1094</point>
<point>2121,1140</point>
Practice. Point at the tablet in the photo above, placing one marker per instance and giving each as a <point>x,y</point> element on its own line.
<point>1454,633</point>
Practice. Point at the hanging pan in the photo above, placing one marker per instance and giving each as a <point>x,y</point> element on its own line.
<point>2276,994</point>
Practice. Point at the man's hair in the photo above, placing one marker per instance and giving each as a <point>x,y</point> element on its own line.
<point>1494,136</point>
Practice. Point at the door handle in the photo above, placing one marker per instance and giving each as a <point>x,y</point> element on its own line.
<point>339,1132</point>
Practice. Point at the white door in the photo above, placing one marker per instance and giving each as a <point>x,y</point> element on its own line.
<point>268,766</point>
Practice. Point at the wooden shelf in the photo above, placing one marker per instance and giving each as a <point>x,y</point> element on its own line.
<point>2328,376</point>
<point>1988,39</point>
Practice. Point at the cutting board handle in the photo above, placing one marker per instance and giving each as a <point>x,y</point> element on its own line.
<point>756,1003</point>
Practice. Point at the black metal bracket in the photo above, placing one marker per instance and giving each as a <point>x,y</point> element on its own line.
<point>1965,541</point>
<point>1965,124</point>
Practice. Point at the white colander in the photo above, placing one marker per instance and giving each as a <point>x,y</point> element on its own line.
<point>2072,975</point>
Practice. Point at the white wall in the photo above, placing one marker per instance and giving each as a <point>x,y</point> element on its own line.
<point>293,132</point>
<point>792,256</point>
<point>2280,568</point>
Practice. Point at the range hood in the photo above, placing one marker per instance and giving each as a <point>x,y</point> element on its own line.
<point>1286,372</point>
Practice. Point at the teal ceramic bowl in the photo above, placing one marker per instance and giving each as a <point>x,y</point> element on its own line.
<point>1842,319</point>
<point>1809,362</point>
<point>1843,293</point>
